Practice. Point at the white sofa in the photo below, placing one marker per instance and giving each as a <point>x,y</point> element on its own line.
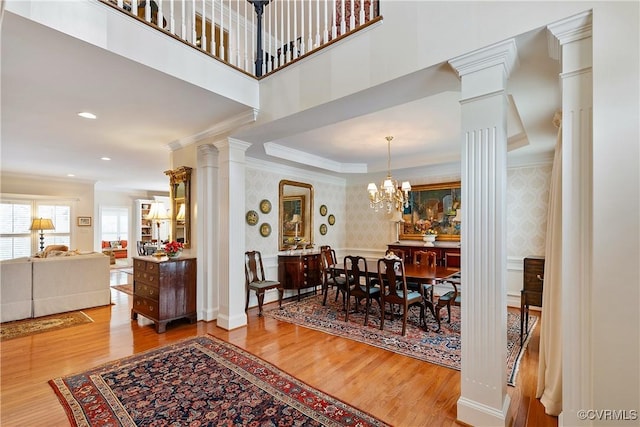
<point>34,287</point>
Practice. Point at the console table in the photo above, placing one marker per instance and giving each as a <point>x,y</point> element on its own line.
<point>299,270</point>
<point>164,289</point>
<point>531,293</point>
<point>441,252</point>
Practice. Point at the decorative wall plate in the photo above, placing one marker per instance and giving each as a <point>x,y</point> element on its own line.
<point>265,206</point>
<point>323,229</point>
<point>265,229</point>
<point>252,217</point>
<point>332,219</point>
<point>323,210</point>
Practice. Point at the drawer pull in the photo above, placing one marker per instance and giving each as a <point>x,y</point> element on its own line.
<point>540,277</point>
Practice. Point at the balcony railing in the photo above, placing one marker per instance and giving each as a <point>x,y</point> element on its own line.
<point>257,37</point>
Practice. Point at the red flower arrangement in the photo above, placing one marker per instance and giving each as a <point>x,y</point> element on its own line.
<point>172,248</point>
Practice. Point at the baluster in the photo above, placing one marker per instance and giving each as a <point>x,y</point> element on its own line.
<point>343,23</point>
<point>325,33</point>
<point>288,39</point>
<point>194,36</point>
<point>310,40</point>
<point>229,51</point>
<point>352,17</point>
<point>302,40</point>
<point>213,28</point>
<point>334,23</point>
<point>238,36</point>
<point>147,11</point>
<point>203,28</point>
<point>134,7</point>
<point>183,18</point>
<point>281,55</point>
<point>246,58</point>
<point>172,22</point>
<point>120,4</point>
<point>294,50</point>
<point>318,23</point>
<point>362,14</point>
<point>160,16</point>
<point>222,50</point>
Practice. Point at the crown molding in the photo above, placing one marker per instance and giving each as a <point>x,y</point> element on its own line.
<point>286,171</point>
<point>286,153</point>
<point>217,130</point>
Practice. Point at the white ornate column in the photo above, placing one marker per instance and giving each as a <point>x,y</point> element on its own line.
<point>206,216</point>
<point>484,400</point>
<point>574,40</point>
<point>231,243</point>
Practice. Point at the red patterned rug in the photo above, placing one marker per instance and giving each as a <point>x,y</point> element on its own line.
<point>440,348</point>
<point>201,381</point>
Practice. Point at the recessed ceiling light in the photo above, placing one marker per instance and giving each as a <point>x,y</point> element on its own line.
<point>87,115</point>
<point>70,175</point>
<point>105,158</point>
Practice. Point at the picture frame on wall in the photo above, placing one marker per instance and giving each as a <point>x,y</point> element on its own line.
<point>434,207</point>
<point>84,221</point>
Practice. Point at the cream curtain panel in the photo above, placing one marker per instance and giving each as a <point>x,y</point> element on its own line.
<point>549,389</point>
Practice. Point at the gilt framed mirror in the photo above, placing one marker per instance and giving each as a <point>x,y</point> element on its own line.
<point>433,207</point>
<point>180,195</point>
<point>295,215</point>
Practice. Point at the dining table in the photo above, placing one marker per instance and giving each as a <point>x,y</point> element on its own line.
<point>421,273</point>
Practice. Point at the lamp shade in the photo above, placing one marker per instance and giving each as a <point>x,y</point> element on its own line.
<point>181,213</point>
<point>396,216</point>
<point>458,217</point>
<point>296,219</point>
<point>157,212</point>
<point>42,224</point>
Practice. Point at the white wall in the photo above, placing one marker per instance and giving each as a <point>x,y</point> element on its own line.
<point>81,193</point>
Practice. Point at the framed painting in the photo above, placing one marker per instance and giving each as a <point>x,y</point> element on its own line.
<point>84,221</point>
<point>433,208</point>
<point>293,223</point>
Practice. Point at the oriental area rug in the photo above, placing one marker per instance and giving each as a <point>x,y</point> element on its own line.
<point>200,381</point>
<point>440,348</point>
<point>26,327</point>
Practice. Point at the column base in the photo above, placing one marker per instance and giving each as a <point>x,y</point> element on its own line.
<point>477,414</point>
<point>225,322</point>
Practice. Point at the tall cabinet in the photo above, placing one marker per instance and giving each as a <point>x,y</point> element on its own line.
<point>143,227</point>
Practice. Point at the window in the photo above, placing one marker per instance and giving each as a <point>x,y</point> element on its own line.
<point>115,224</point>
<point>17,240</point>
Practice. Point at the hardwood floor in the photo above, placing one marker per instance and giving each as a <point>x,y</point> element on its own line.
<point>397,389</point>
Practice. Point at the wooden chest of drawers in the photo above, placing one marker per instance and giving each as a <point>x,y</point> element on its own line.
<point>164,290</point>
<point>299,271</point>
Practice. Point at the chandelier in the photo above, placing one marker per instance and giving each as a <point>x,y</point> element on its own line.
<point>389,196</point>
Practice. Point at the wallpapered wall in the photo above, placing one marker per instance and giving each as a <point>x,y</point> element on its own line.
<point>369,232</point>
<point>263,183</point>
<point>527,203</point>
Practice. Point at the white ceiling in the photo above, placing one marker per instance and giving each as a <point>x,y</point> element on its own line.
<point>48,77</point>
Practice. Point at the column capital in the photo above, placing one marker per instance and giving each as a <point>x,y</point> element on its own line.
<point>207,155</point>
<point>504,53</point>
<point>232,143</point>
<point>571,29</point>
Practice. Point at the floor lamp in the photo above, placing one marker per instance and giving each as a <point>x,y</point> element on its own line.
<point>42,224</point>
<point>158,213</point>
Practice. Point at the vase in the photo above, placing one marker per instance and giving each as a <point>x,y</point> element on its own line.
<point>429,239</point>
<point>173,254</point>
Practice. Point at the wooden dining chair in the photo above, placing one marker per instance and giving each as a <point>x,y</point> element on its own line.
<point>330,277</point>
<point>255,280</point>
<point>450,298</point>
<point>360,285</point>
<point>394,290</point>
<point>426,258</point>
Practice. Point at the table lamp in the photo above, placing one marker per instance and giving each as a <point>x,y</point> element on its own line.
<point>158,213</point>
<point>41,224</point>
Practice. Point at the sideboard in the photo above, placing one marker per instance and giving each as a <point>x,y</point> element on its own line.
<point>299,270</point>
<point>531,293</point>
<point>445,255</point>
<point>164,289</point>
